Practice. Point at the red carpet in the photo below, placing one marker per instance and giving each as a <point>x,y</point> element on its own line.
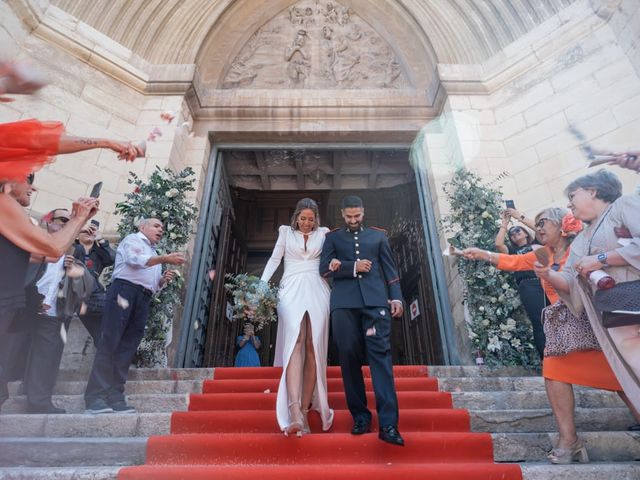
<point>230,432</point>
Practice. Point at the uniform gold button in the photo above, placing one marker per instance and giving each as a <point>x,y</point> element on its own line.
<point>357,252</point>
<point>359,276</point>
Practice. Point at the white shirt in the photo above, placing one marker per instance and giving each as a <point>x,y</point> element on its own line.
<point>49,285</point>
<point>132,256</point>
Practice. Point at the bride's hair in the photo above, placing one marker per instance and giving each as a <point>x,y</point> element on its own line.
<point>305,204</point>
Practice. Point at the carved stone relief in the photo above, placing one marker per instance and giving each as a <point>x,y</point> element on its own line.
<point>316,44</point>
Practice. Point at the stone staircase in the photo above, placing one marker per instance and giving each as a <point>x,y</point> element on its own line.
<point>505,403</point>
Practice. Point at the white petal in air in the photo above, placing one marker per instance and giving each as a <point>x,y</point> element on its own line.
<point>123,303</point>
<point>168,116</point>
<point>63,333</point>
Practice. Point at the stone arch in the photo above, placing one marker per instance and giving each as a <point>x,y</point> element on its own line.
<point>391,21</point>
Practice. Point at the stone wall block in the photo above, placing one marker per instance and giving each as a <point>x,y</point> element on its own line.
<point>110,103</point>
<point>627,111</point>
<point>522,101</point>
<point>535,134</point>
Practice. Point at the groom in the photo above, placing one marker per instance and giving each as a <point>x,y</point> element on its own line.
<point>364,286</point>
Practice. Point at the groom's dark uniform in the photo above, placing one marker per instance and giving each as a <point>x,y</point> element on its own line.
<point>360,316</point>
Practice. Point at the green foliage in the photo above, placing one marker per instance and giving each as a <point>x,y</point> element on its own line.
<point>499,327</point>
<point>254,300</point>
<point>162,196</point>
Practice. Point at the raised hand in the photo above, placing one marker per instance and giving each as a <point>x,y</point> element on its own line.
<point>85,208</point>
<point>175,258</point>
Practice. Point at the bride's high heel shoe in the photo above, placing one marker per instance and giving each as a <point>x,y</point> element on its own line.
<point>296,420</point>
<point>563,456</point>
<point>305,421</point>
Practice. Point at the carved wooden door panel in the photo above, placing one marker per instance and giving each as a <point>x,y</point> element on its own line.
<point>221,336</point>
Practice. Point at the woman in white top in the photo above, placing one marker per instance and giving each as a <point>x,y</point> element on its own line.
<point>303,321</point>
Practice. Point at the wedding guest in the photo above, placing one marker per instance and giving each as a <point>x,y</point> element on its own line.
<point>529,288</point>
<point>597,199</point>
<point>572,354</point>
<point>137,276</point>
<point>19,240</point>
<point>47,344</point>
<point>96,254</point>
<point>249,344</point>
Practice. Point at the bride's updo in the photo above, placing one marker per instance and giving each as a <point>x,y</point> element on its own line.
<point>305,204</point>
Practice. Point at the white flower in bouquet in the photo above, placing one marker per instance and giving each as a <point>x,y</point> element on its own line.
<point>173,192</point>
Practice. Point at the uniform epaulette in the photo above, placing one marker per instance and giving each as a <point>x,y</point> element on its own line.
<point>334,230</point>
<point>379,229</point>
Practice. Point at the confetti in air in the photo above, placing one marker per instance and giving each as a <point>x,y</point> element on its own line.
<point>123,303</point>
<point>196,325</point>
<point>153,134</point>
<point>267,391</point>
<point>168,116</point>
<point>63,333</point>
<point>371,331</point>
<point>83,309</point>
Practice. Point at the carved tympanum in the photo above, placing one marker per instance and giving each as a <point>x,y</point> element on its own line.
<point>316,44</point>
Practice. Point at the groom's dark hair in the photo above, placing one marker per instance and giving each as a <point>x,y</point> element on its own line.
<point>352,201</point>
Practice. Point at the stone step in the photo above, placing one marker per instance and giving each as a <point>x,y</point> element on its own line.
<point>92,451</point>
<point>497,400</point>
<point>145,374</point>
<point>440,371</point>
<point>66,452</point>
<point>81,425</point>
<point>489,400</point>
<point>134,387</point>
<point>147,424</point>
<point>531,471</point>
<point>145,403</point>
<point>59,473</point>
<point>541,420</point>
<point>585,471</point>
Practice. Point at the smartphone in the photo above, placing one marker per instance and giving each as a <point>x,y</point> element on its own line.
<point>95,191</point>
<point>510,204</point>
<point>95,223</point>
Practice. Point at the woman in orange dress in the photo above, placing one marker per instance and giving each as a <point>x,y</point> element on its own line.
<point>590,368</point>
<point>27,145</point>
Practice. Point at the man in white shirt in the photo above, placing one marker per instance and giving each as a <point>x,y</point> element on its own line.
<point>137,276</point>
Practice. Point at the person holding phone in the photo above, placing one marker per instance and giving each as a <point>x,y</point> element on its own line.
<point>533,298</point>
<point>97,254</point>
<point>21,240</point>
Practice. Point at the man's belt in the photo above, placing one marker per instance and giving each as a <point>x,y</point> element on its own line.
<point>146,291</point>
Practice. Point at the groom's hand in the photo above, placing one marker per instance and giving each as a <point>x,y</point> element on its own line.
<point>335,264</point>
<point>363,266</point>
<point>396,308</point>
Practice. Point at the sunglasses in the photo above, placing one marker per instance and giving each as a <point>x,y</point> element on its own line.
<point>555,267</point>
<point>60,219</point>
<point>515,230</point>
<point>30,178</point>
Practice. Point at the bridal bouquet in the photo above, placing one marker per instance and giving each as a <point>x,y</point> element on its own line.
<point>253,299</point>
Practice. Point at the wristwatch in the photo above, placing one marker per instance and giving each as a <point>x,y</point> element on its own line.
<point>602,258</point>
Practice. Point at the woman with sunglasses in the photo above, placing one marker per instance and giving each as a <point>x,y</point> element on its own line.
<point>556,230</point>
<point>531,294</point>
<point>597,199</point>
<point>20,240</point>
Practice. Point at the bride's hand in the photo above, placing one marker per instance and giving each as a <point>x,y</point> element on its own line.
<point>335,265</point>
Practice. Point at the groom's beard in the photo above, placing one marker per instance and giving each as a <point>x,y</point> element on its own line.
<point>354,226</point>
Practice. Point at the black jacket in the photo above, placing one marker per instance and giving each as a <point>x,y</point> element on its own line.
<point>371,289</point>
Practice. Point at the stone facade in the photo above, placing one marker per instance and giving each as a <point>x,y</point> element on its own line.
<point>496,96</point>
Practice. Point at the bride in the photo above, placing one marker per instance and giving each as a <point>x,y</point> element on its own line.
<point>303,321</point>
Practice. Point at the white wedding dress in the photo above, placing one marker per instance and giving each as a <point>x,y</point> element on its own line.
<point>302,289</point>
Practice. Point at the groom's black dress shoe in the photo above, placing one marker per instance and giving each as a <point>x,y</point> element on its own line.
<point>390,434</point>
<point>361,427</point>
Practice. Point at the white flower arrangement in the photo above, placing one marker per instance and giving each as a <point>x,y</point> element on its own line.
<point>498,328</point>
